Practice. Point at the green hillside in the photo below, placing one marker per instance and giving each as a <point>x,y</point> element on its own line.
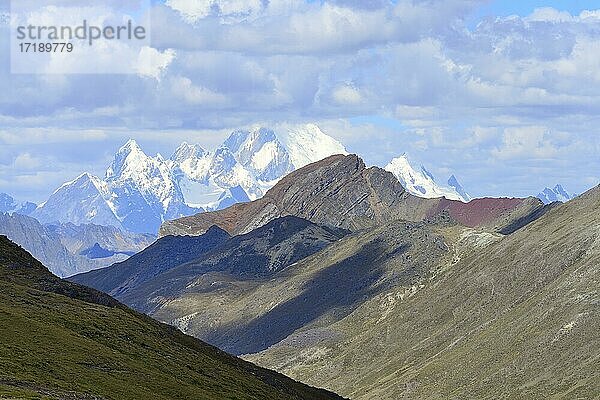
<point>61,340</point>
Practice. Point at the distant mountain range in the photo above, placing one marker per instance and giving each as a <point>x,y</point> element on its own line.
<point>558,193</point>
<point>68,249</point>
<point>139,192</point>
<point>340,191</point>
<point>9,205</point>
<point>422,183</point>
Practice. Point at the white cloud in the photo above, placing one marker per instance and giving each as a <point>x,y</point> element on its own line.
<point>347,94</point>
<point>27,162</point>
<point>532,142</point>
<point>153,63</point>
<point>517,88</point>
<point>40,136</point>
<point>194,10</point>
<point>183,87</point>
<point>549,14</point>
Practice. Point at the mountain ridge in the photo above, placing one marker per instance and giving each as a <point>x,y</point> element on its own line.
<point>558,193</point>
<point>421,182</point>
<point>98,348</point>
<point>514,319</point>
<point>341,191</point>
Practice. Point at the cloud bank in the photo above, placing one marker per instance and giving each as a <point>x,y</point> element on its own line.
<point>509,104</point>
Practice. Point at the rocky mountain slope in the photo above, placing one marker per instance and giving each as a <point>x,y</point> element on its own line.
<point>172,265</point>
<point>495,297</point>
<point>340,191</point>
<point>517,318</point>
<point>60,340</point>
<point>166,253</point>
<point>251,294</point>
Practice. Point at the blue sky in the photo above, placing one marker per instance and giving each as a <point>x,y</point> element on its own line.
<point>526,7</point>
<point>504,94</point>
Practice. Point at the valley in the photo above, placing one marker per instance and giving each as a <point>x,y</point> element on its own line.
<point>392,296</point>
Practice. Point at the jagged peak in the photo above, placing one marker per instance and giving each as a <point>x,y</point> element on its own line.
<point>223,151</point>
<point>187,151</point>
<point>82,178</point>
<point>130,146</point>
<point>130,154</point>
<point>236,139</point>
<point>263,133</point>
<point>422,182</point>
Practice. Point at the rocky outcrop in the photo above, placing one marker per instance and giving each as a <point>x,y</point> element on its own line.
<point>338,191</point>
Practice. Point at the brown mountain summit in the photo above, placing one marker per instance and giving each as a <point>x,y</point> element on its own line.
<point>340,191</point>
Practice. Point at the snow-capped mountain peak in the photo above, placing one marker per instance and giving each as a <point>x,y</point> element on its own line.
<point>128,159</point>
<point>308,143</point>
<point>82,200</point>
<point>253,142</point>
<point>188,151</point>
<point>223,161</point>
<point>558,193</point>
<point>139,192</point>
<point>260,152</point>
<point>421,182</point>
<point>9,205</point>
<point>455,184</point>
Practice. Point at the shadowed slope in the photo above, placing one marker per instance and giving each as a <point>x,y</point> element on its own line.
<point>518,319</point>
<point>235,299</point>
<point>62,340</point>
<point>166,253</point>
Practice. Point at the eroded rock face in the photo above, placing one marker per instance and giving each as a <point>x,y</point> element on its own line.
<point>340,191</point>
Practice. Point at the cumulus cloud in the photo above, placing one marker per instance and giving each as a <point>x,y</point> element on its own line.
<point>153,63</point>
<point>346,94</point>
<point>506,90</point>
<point>529,141</point>
<point>195,10</point>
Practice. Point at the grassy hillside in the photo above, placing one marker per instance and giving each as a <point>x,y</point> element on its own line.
<point>518,319</point>
<point>61,340</point>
